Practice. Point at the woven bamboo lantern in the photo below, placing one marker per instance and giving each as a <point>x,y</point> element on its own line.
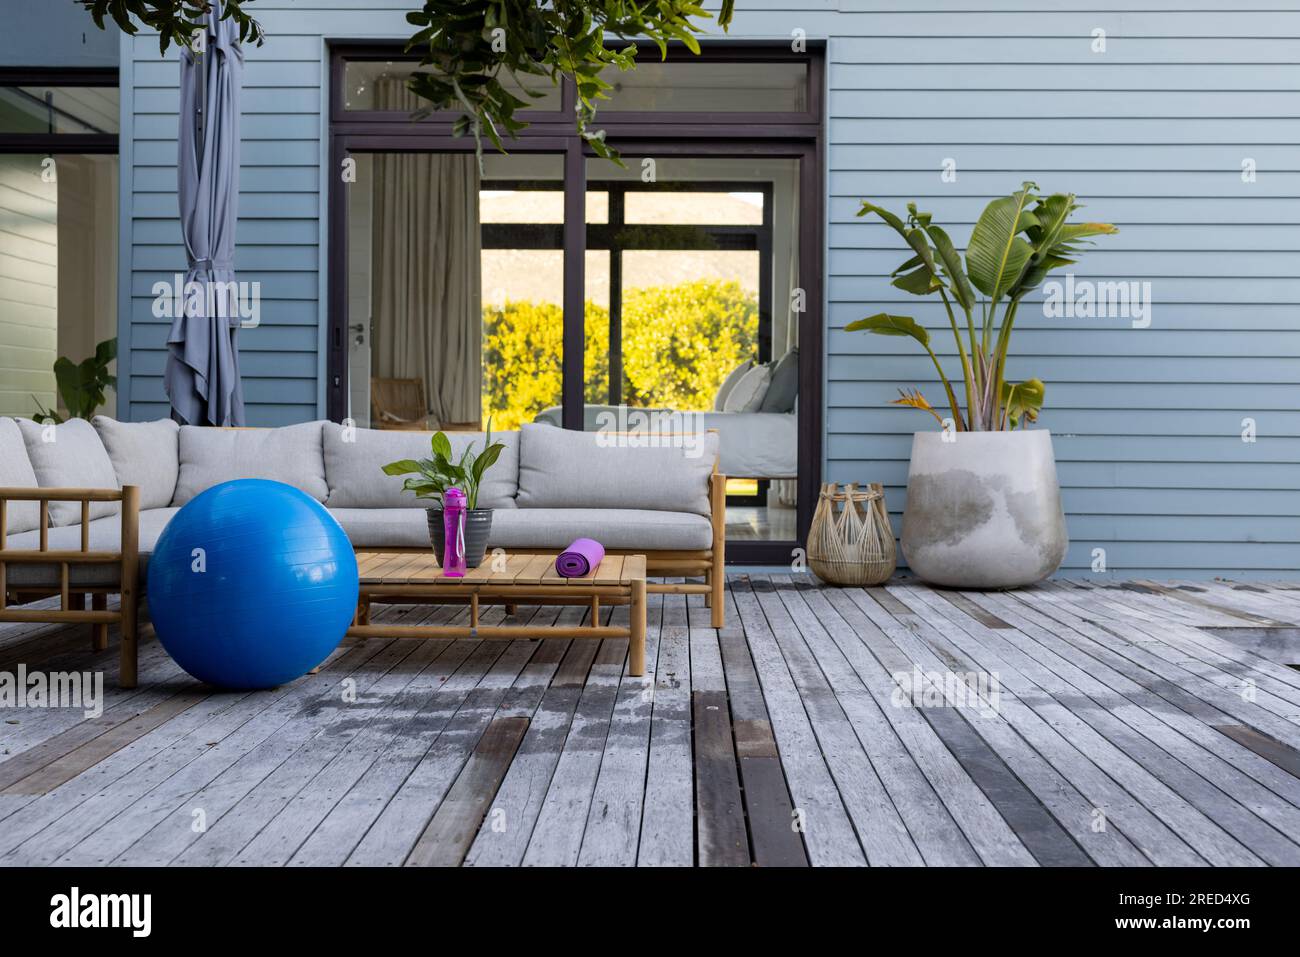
<point>851,541</point>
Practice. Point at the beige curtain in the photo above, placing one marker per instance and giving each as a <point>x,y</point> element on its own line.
<point>426,272</point>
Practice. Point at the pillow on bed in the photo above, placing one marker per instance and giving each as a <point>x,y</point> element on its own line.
<point>785,384</point>
<point>747,394</point>
<point>729,383</point>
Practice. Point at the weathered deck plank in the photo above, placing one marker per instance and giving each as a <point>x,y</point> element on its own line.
<point>1173,730</point>
<point>1126,727</point>
<point>773,834</point>
<point>1215,826</point>
<point>613,830</point>
<point>828,832</point>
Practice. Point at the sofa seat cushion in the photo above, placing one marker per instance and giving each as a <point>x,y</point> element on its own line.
<point>384,527</point>
<point>612,527</point>
<point>292,455</point>
<point>562,469</point>
<point>16,472</point>
<point>354,461</point>
<point>70,455</point>
<point>541,528</point>
<point>105,536</point>
<point>146,454</point>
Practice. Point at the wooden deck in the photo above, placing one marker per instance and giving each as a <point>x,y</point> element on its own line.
<point>1112,724</point>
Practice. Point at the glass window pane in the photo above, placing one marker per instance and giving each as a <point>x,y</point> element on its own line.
<point>690,86</point>
<point>689,318</point>
<point>523,334</point>
<point>381,85</point>
<point>474,314</point>
<point>59,272</point>
<point>537,206</point>
<point>703,289</point>
<point>686,208</point>
<point>59,109</point>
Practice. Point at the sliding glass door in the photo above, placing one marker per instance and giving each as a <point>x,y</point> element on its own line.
<point>455,286</point>
<point>677,293</point>
<point>702,255</point>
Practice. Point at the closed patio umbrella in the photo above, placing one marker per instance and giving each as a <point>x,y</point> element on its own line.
<point>202,375</point>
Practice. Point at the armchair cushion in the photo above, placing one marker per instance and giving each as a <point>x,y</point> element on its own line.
<point>70,455</point>
<point>146,454</point>
<point>16,472</point>
<point>105,536</point>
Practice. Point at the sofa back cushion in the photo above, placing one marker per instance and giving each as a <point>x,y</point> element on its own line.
<point>354,461</point>
<point>292,455</point>
<point>70,456</point>
<point>16,472</point>
<point>559,468</point>
<point>146,454</point>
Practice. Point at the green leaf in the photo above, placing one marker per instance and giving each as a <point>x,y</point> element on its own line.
<point>402,467</point>
<point>922,282</point>
<point>486,461</point>
<point>886,215</point>
<point>907,266</point>
<point>1023,400</point>
<point>997,254</point>
<point>883,324</point>
<point>441,446</point>
<point>957,279</point>
<point>1054,239</point>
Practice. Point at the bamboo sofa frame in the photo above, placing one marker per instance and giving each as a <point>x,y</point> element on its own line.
<point>708,562</point>
<point>72,598</point>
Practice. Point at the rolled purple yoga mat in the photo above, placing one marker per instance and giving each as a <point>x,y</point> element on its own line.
<point>581,558</point>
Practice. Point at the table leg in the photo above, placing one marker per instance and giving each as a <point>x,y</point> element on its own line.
<point>636,650</point>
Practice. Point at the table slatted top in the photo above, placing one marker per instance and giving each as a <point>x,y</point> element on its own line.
<point>520,568</point>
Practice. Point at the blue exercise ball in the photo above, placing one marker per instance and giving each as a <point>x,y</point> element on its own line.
<point>252,584</point>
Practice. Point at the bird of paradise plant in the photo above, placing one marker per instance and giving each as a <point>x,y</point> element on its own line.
<point>1016,242</point>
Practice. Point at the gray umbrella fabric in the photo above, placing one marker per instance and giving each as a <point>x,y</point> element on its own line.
<point>202,375</point>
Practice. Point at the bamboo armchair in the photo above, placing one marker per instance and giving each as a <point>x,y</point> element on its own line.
<point>398,404</point>
<point>71,597</point>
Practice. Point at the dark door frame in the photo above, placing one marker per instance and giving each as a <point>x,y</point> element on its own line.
<point>696,135</point>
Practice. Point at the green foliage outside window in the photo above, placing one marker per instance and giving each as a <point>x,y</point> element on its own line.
<point>679,343</point>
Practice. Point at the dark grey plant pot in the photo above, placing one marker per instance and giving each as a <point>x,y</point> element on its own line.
<point>478,526</point>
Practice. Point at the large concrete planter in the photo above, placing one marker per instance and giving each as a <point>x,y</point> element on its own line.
<point>983,510</point>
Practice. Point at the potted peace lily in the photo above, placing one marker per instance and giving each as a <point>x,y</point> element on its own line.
<point>433,476</point>
<point>983,504</point>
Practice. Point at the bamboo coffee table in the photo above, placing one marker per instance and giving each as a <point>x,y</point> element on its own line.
<point>398,577</point>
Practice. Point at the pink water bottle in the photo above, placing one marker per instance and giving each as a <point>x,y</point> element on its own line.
<point>453,533</point>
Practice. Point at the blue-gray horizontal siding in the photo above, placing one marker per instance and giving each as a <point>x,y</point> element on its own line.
<point>1147,422</point>
<point>44,33</point>
<point>1151,134</point>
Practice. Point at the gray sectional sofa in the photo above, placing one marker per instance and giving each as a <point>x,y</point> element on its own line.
<point>548,487</point>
